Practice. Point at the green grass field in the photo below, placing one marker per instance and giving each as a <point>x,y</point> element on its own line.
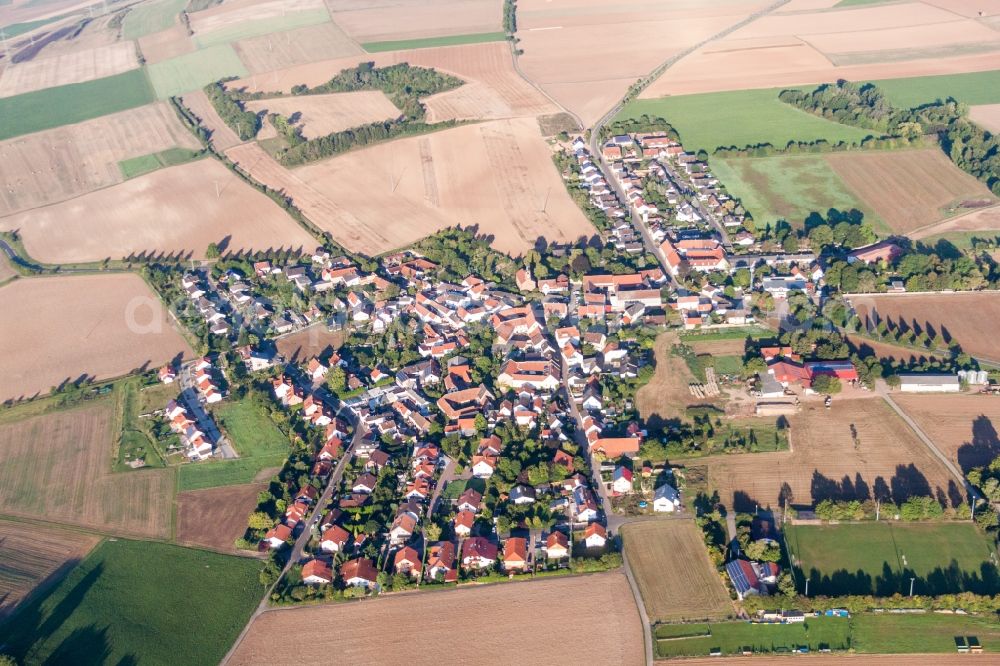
<point>255,28</point>
<point>728,365</point>
<point>144,164</point>
<point>752,332</point>
<point>193,71</point>
<point>73,103</point>
<point>253,433</point>
<point>733,637</point>
<point>739,118</point>
<point>880,558</point>
<point>133,602</point>
<point>145,19</point>
<point>198,476</point>
<point>428,42</point>
<point>971,88</point>
<point>923,633</point>
<point>787,187</point>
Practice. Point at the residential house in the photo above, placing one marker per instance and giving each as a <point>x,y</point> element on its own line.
<point>316,572</point>
<point>595,536</point>
<point>556,545</point>
<point>478,553</point>
<point>666,499</point>
<point>359,572</point>
<point>515,554</point>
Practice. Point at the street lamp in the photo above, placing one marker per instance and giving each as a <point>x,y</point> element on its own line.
<point>911,586</point>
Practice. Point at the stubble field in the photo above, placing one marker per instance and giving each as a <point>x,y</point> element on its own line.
<point>62,163</point>
<point>965,317</point>
<point>672,591</point>
<point>982,220</point>
<point>666,395</point>
<point>410,19</point>
<point>214,518</point>
<point>804,45</point>
<point>69,480</point>
<point>60,328</point>
<point>71,67</point>
<point>497,177</point>
<point>849,451</point>
<point>31,554</point>
<point>603,611</point>
<point>165,44</point>
<point>908,189</point>
<point>987,115</point>
<point>963,427</point>
<point>326,114</point>
<point>266,53</point>
<point>222,136</point>
<point>305,344</point>
<point>180,209</point>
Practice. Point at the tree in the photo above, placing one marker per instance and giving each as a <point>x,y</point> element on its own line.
<point>212,252</point>
<point>336,380</point>
<point>826,384</point>
<point>432,531</point>
<point>259,520</point>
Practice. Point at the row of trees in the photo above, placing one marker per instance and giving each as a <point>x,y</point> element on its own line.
<point>245,123</point>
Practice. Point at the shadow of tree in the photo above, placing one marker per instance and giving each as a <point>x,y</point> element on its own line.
<point>984,446</point>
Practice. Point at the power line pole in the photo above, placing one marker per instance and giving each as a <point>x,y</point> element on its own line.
<point>911,586</point>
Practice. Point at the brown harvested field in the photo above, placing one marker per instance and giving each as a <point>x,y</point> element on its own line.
<point>674,593</point>
<point>734,347</point>
<point>222,136</point>
<point>963,427</point>
<point>987,115</point>
<point>603,611</point>
<point>169,211</point>
<point>835,660</point>
<point>32,555</point>
<point>965,317</point>
<point>909,189</point>
<point>984,219</point>
<point>216,517</point>
<point>885,350</point>
<point>309,342</point>
<point>68,479</point>
<point>89,325</point>
<point>65,162</point>
<point>166,44</point>
<point>666,395</point>
<point>493,88</point>
<point>826,461</point>
<point>229,14</point>
<point>497,176</point>
<point>326,114</point>
<point>6,269</point>
<point>570,52</point>
<point>312,43</point>
<point>412,19</point>
<point>71,67</point>
<point>812,42</point>
<point>18,11</point>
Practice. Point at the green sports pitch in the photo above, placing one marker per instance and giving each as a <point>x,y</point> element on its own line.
<point>881,558</point>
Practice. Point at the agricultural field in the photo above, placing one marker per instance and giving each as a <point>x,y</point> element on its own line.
<point>880,558</point>
<point>493,88</point>
<point>232,21</point>
<point>77,66</point>
<point>69,480</point>
<point>849,451</point>
<point>430,42</point>
<point>986,115</point>
<point>672,591</point>
<point>414,19</point>
<point>568,52</point>
<point>961,229</point>
<point>788,187</point>
<point>73,103</point>
<point>218,473</point>
<point>165,44</point>
<point>151,17</point>
<point>216,517</point>
<point>33,555</point>
<point>138,166</point>
<point>309,342</point>
<point>280,50</point>
<point>603,611</point>
<point>497,176</point>
<point>7,270</point>
<point>740,118</point>
<point>325,114</point>
<point>811,43</point>
<point>193,71</point>
<point>195,204</point>
<point>966,318</point>
<point>65,162</point>
<point>892,352</point>
<point>97,326</point>
<point>973,88</point>
<point>963,427</point>
<point>732,638</point>
<point>909,189</point>
<point>162,590</point>
<point>29,11</point>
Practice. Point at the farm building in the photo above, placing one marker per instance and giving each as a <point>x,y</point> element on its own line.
<point>842,370</point>
<point>929,383</point>
<point>751,578</point>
